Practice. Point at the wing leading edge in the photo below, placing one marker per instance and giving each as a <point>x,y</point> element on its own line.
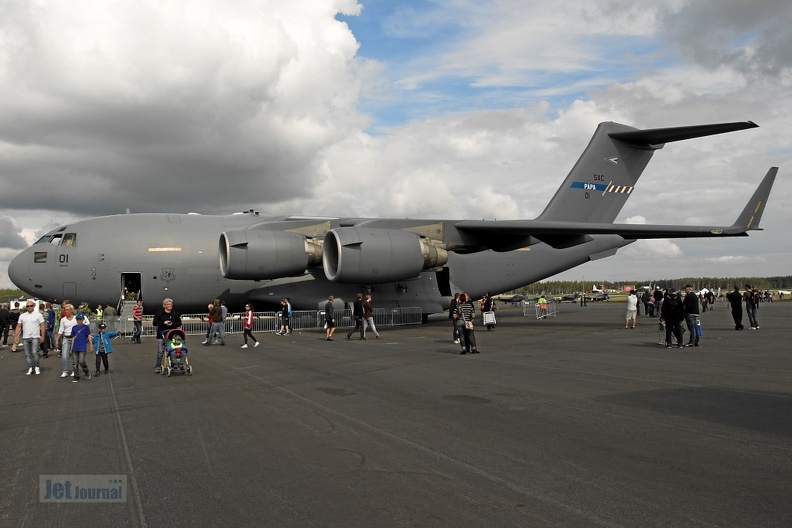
<point>561,234</point>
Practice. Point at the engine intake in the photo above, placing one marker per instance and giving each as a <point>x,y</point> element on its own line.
<point>250,254</point>
<point>371,255</point>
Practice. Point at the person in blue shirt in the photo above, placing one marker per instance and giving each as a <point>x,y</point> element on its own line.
<point>81,343</point>
<point>102,346</point>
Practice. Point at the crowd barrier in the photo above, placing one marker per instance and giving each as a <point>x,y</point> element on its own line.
<point>535,309</point>
<point>304,320</point>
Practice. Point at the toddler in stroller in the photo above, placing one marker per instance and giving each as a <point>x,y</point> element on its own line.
<point>176,358</point>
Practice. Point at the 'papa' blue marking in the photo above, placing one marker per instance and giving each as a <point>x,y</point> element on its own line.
<point>588,186</point>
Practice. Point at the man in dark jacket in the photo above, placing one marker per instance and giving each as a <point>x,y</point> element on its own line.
<point>357,313</point>
<point>672,314</point>
<point>5,323</point>
<point>691,305</point>
<point>735,301</point>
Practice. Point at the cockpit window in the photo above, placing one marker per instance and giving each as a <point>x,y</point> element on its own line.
<point>69,240</point>
<point>50,239</point>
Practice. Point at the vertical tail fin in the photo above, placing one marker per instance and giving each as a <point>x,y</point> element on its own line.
<point>752,213</point>
<point>599,184</point>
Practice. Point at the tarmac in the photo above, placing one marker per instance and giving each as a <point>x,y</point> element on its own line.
<point>569,421</point>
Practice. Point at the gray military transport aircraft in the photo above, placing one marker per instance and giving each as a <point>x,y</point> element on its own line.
<point>404,262</point>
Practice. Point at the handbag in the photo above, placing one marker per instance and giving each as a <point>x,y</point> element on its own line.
<point>489,318</point>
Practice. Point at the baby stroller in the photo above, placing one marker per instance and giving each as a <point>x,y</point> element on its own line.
<point>174,360</point>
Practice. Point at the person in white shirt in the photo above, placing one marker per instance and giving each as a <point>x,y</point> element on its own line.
<point>632,310</point>
<point>33,330</point>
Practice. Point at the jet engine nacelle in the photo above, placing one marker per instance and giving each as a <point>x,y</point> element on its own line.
<point>371,255</point>
<point>253,254</point>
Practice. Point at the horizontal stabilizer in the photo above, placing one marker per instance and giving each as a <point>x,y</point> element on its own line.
<point>658,136</point>
<point>562,234</point>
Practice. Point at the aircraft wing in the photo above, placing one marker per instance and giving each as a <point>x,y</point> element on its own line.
<point>561,234</point>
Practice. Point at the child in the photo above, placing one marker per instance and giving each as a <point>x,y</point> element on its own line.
<point>176,349</point>
<point>102,347</point>
<point>81,342</point>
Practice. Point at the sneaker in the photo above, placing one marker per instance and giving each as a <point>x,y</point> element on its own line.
<point>456,341</point>
<point>75,380</point>
<point>205,342</point>
<point>29,372</point>
<point>97,374</point>
<point>244,346</point>
<point>38,371</point>
<point>87,375</point>
<point>257,344</point>
<point>65,375</point>
<point>157,370</point>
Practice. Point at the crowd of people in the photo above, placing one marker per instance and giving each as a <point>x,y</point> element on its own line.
<point>674,308</point>
<point>38,329</point>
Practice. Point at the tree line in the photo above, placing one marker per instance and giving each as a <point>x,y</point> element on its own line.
<point>698,283</point>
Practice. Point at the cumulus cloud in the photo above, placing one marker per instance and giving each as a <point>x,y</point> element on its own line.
<point>142,102</point>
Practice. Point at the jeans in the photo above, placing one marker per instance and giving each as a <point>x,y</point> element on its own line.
<point>690,320</point>
<point>751,309</point>
<point>79,362</point>
<point>358,327</point>
<point>160,351</point>
<point>470,340</point>
<point>217,332</point>
<point>457,332</point>
<point>31,345</point>
<point>369,322</point>
<point>66,344</point>
<point>137,331</point>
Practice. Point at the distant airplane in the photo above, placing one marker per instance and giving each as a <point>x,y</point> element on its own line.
<point>511,299</point>
<point>402,262</point>
<point>568,297</point>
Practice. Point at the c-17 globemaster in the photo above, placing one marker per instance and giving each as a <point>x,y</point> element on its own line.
<point>404,262</point>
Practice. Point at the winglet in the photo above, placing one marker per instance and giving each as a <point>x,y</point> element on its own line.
<point>752,214</point>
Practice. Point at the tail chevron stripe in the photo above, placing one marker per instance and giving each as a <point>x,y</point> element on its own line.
<point>620,189</point>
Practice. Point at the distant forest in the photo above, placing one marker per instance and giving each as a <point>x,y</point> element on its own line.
<point>712,283</point>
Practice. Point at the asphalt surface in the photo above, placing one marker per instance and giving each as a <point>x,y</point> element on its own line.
<point>570,421</point>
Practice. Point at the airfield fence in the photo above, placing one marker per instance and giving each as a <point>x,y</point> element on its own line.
<point>303,320</point>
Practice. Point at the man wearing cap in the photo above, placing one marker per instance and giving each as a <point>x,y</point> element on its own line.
<point>691,305</point>
<point>33,330</point>
<point>672,313</point>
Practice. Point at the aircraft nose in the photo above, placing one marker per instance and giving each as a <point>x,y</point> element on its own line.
<point>18,271</point>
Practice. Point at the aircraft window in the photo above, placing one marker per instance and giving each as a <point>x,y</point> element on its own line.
<point>55,239</point>
<point>69,240</point>
<point>45,239</point>
<point>40,257</point>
